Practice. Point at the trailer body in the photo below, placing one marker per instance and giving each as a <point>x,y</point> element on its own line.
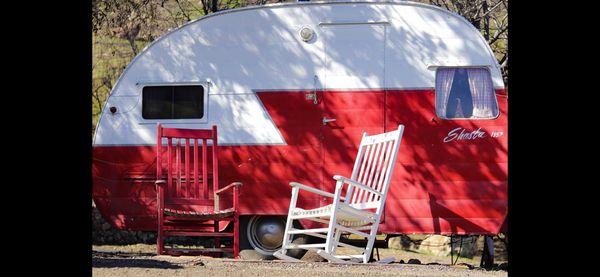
<point>292,87</point>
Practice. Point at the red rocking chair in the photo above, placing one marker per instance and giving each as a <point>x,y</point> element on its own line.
<point>187,205</point>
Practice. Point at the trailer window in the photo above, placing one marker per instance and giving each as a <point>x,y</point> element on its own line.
<point>465,93</point>
<point>172,102</point>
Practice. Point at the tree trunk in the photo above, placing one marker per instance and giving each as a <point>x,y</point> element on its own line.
<point>486,20</point>
<point>133,45</point>
<point>214,7</point>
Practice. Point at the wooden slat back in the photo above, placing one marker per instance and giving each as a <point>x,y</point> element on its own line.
<point>373,167</point>
<point>183,162</point>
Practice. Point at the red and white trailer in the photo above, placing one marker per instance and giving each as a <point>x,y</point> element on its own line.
<point>292,87</point>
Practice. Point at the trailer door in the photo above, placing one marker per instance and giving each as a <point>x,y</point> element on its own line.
<point>353,98</point>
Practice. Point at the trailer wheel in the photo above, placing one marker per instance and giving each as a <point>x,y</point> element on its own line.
<point>261,236</point>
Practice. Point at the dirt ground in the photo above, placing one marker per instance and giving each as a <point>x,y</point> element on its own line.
<point>139,259</point>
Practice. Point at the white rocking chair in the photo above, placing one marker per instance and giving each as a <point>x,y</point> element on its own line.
<point>352,213</point>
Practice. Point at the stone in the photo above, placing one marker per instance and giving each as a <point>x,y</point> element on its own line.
<point>437,245</point>
<point>469,246</point>
<point>311,256</point>
<point>503,266</point>
<point>401,242</point>
<point>405,242</point>
<point>395,242</point>
<point>413,261</point>
<point>252,255</point>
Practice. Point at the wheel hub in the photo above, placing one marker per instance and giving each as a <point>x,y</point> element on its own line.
<point>265,233</point>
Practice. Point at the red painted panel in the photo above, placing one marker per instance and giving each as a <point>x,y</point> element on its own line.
<point>355,112</point>
<point>297,117</point>
<point>458,186</point>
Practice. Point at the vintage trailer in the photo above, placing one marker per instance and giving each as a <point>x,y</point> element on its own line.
<point>291,88</point>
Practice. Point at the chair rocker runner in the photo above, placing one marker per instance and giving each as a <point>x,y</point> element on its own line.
<point>358,212</point>
<point>186,204</point>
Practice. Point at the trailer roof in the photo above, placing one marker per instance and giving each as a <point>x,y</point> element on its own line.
<point>308,3</point>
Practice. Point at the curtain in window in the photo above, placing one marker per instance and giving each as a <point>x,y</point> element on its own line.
<point>443,84</point>
<point>484,100</point>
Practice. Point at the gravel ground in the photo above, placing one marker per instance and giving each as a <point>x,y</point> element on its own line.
<point>139,259</point>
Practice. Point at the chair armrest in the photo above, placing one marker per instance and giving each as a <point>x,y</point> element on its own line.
<point>355,183</point>
<point>313,190</point>
<point>236,192</point>
<point>234,184</point>
<point>160,194</point>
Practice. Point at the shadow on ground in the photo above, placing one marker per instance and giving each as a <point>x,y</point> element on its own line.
<point>122,259</point>
<point>99,262</point>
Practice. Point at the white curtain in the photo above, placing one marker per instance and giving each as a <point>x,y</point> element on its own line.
<point>443,84</point>
<point>482,91</point>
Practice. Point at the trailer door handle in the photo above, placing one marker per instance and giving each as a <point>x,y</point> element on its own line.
<point>327,120</point>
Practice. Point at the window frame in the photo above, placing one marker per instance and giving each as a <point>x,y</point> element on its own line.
<point>435,94</point>
<point>203,119</point>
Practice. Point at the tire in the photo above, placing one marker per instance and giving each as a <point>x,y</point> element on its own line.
<point>251,247</point>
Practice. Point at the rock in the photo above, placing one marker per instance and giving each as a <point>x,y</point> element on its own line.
<point>503,266</point>
<point>403,242</point>
<point>466,265</point>
<point>414,261</point>
<point>395,242</point>
<point>437,245</point>
<point>198,263</point>
<point>248,254</point>
<point>311,256</point>
<point>105,226</point>
<point>469,246</point>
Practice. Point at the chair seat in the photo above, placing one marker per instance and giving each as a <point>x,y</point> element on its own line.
<point>346,216</point>
<point>199,214</point>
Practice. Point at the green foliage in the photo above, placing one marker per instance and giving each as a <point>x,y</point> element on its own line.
<point>110,56</point>
<point>121,29</point>
<point>232,4</point>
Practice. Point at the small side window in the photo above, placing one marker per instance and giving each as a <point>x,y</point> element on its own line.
<point>172,102</point>
<point>465,93</point>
